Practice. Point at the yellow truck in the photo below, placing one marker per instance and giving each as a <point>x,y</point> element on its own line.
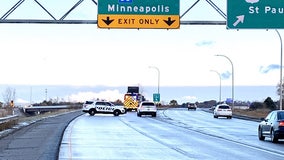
<point>132,98</point>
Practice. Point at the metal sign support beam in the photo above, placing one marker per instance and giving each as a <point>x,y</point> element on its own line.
<point>5,17</point>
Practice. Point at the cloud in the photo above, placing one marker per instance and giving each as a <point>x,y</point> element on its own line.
<point>189,98</point>
<point>20,101</point>
<point>269,68</point>
<point>204,43</point>
<point>226,75</point>
<point>110,95</point>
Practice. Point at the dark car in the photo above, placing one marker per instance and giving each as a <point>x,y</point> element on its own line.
<point>191,106</point>
<point>272,126</point>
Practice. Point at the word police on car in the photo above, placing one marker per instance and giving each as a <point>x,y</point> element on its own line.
<point>93,107</point>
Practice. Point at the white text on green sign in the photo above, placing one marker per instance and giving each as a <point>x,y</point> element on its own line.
<point>256,14</point>
<point>141,7</point>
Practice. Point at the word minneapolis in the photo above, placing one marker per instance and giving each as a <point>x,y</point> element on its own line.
<point>138,9</point>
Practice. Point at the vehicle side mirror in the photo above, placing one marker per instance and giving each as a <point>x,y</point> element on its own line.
<point>262,119</point>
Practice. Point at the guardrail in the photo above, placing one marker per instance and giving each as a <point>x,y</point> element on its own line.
<point>7,118</point>
<point>7,122</point>
<point>39,109</point>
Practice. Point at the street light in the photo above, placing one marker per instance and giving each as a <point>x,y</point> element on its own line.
<point>158,77</point>
<point>220,88</point>
<point>281,90</point>
<point>232,77</point>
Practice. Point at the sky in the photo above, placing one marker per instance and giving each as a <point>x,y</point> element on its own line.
<point>85,55</point>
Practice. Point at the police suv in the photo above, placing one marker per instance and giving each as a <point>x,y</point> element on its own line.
<point>103,107</point>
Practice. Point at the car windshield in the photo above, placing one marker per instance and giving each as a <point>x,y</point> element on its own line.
<point>224,107</point>
<point>89,102</point>
<point>109,104</point>
<point>148,104</point>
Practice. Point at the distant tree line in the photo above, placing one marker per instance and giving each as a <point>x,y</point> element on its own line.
<point>268,103</point>
<point>55,102</point>
<point>9,95</point>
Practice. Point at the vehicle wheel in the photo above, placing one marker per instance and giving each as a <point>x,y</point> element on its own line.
<point>92,112</point>
<point>273,137</point>
<point>260,136</point>
<point>154,114</point>
<point>215,116</point>
<point>116,112</point>
<point>138,114</point>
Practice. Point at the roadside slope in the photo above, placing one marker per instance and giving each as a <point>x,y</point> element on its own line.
<point>39,140</point>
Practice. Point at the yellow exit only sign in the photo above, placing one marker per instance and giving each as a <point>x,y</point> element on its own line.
<point>139,21</point>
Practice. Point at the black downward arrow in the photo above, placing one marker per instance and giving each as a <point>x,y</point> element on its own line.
<point>169,21</point>
<point>108,21</point>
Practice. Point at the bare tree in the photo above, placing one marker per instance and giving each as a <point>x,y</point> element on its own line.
<point>9,95</point>
<point>173,103</point>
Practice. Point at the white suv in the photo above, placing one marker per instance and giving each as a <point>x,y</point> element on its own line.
<point>103,107</point>
<point>147,108</point>
<point>222,110</point>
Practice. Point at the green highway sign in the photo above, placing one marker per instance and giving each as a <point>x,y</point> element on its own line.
<point>156,97</point>
<point>138,7</point>
<point>138,14</point>
<point>255,14</point>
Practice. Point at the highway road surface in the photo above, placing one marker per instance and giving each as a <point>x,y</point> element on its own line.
<point>173,134</point>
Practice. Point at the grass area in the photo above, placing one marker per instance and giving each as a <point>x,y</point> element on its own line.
<point>258,113</point>
<point>42,115</point>
<point>29,119</point>
<point>5,111</point>
<point>8,124</point>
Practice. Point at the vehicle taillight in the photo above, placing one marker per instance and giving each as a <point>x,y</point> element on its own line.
<point>281,123</point>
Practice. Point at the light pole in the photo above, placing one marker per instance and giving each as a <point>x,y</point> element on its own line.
<point>281,81</point>
<point>232,77</point>
<point>46,94</point>
<point>220,86</point>
<point>158,77</point>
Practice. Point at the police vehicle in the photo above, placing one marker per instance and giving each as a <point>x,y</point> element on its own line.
<point>103,107</point>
